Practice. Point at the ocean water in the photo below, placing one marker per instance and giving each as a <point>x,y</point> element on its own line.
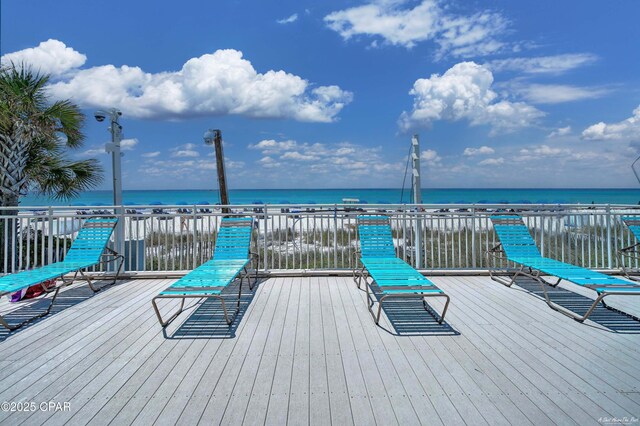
<point>331,196</point>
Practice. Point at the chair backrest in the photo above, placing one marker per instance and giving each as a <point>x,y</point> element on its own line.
<point>515,237</point>
<point>91,240</point>
<point>234,238</point>
<point>633,222</point>
<point>376,239</point>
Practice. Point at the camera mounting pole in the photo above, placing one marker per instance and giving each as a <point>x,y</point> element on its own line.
<point>116,160</point>
<point>214,137</point>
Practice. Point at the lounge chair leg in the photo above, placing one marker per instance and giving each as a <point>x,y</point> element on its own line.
<point>379,310</point>
<point>492,270</point>
<point>255,280</point>
<point>548,283</point>
<point>73,279</point>
<point>240,290</point>
<point>431,310</point>
<point>5,324</point>
<point>565,311</point>
<point>174,316</point>
<point>631,254</point>
<point>444,311</point>
<point>120,265</point>
<point>618,311</point>
<point>370,302</point>
<point>357,276</point>
<point>224,309</point>
<point>89,282</point>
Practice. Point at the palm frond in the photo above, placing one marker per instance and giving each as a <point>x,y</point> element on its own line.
<point>70,121</point>
<point>33,125</point>
<point>61,179</point>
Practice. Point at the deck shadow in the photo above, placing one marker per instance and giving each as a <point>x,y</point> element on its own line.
<point>409,318</point>
<point>67,298</point>
<point>615,321</point>
<point>207,320</point>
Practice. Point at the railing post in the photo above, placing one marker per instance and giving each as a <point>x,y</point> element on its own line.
<point>543,232</point>
<point>608,222</point>
<point>195,236</point>
<point>264,240</point>
<point>417,242</point>
<point>335,236</point>
<point>473,237</point>
<point>50,237</point>
<point>119,236</point>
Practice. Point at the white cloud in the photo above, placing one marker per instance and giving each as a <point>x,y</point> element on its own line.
<point>562,156</point>
<point>562,131</point>
<point>464,92</point>
<point>557,93</point>
<point>483,150</point>
<point>295,155</point>
<point>492,162</point>
<point>185,153</point>
<point>268,162</point>
<point>345,151</point>
<point>153,154</point>
<point>556,64</point>
<point>221,83</point>
<point>290,19</point>
<point>128,144</point>
<point>323,164</point>
<point>399,24</point>
<point>270,146</point>
<point>186,150</point>
<point>626,130</point>
<point>50,57</point>
<point>542,151</point>
<point>430,156</point>
<point>92,152</point>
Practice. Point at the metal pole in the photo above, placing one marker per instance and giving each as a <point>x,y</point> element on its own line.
<point>417,196</point>
<point>116,161</point>
<point>214,136</point>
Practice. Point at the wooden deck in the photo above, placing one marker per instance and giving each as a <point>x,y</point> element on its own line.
<point>306,350</point>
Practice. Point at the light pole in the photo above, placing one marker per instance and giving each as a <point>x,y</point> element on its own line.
<point>114,148</point>
<point>214,137</point>
<point>417,196</point>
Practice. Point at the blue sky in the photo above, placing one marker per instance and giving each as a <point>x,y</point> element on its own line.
<point>327,94</point>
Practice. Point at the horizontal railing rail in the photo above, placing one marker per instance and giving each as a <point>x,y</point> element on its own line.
<point>317,236</point>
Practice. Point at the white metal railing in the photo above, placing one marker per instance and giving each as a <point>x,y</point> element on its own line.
<point>167,238</point>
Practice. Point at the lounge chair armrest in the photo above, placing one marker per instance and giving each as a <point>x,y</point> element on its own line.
<point>110,252</point>
<point>255,258</point>
<point>495,249</point>
<point>356,257</point>
<point>631,249</point>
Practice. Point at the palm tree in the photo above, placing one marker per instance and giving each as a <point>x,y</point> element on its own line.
<point>34,137</point>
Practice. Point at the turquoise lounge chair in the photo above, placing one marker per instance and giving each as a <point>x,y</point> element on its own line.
<point>393,277</point>
<point>230,260</point>
<point>87,250</point>
<point>631,252</point>
<point>517,245</point>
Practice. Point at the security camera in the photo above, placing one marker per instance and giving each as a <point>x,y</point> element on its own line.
<point>99,117</point>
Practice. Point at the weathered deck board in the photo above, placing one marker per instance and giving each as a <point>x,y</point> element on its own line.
<point>306,350</point>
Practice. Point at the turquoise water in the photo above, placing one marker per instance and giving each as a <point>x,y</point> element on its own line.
<point>371,196</point>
